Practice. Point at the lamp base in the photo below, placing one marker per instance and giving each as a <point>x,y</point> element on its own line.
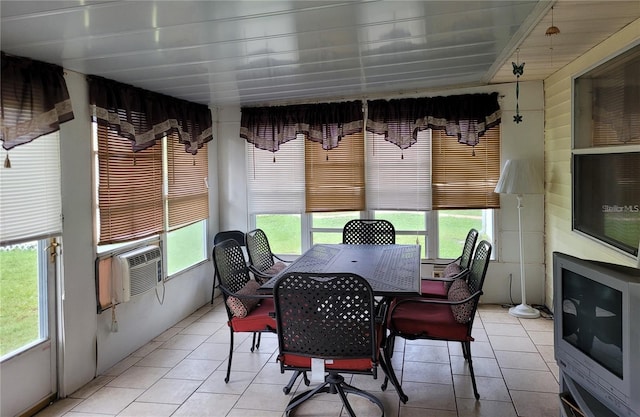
<point>524,311</point>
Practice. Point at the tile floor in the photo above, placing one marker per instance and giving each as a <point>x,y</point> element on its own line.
<point>181,373</point>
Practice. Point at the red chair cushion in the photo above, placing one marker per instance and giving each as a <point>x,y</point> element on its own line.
<point>352,364</point>
<point>260,318</point>
<point>433,321</point>
<point>433,288</point>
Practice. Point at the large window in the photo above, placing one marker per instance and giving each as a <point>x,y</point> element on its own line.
<point>398,187</point>
<point>160,191</point>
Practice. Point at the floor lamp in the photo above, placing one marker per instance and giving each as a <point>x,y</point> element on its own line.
<point>519,177</point>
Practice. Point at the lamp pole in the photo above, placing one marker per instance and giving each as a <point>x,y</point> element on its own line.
<point>522,310</point>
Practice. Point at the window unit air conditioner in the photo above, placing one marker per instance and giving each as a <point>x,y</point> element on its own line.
<point>136,272</point>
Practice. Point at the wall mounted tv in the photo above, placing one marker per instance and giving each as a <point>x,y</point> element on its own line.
<point>606,198</point>
<point>597,331</point>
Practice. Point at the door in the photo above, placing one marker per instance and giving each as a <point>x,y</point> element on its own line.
<point>30,224</point>
<point>28,375</point>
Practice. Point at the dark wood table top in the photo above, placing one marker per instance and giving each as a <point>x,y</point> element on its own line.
<point>391,270</point>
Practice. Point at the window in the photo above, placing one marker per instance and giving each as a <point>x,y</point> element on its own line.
<point>159,191</point>
<point>398,189</point>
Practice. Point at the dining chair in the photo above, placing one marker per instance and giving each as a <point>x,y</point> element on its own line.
<point>368,232</point>
<point>327,322</point>
<point>439,287</point>
<point>236,235</point>
<point>449,319</point>
<point>264,264</point>
<point>247,311</point>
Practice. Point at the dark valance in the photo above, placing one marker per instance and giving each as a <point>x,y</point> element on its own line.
<point>269,127</point>
<point>34,100</point>
<point>143,116</point>
<point>466,116</point>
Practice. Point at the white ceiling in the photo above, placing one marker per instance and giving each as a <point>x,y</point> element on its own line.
<point>274,52</point>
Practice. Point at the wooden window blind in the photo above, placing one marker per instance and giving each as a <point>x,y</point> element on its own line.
<point>334,179</point>
<point>462,180</point>
<point>129,189</point>
<point>187,193</point>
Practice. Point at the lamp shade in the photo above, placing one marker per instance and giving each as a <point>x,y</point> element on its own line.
<point>519,176</point>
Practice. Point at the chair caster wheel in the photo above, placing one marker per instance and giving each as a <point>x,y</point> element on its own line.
<point>286,390</point>
<point>226,380</point>
<point>404,399</point>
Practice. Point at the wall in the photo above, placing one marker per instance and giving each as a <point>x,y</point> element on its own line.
<point>557,155</point>
<point>518,141</point>
<point>88,347</point>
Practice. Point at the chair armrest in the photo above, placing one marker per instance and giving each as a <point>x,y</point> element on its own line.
<point>282,260</point>
<point>257,273</point>
<point>228,293</point>
<point>461,274</point>
<point>421,300</point>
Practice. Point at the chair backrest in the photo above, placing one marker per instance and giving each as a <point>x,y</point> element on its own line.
<point>328,316</point>
<point>467,249</point>
<point>369,232</point>
<point>231,268</point>
<point>260,255</point>
<point>236,235</point>
<point>478,269</point>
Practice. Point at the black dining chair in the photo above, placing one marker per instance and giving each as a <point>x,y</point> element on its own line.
<point>247,311</point>
<point>458,268</point>
<point>263,262</point>
<point>236,235</point>
<point>369,232</point>
<point>449,319</point>
<point>328,318</point>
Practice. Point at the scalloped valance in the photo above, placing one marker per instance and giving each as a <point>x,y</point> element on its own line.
<point>465,116</point>
<point>143,116</point>
<point>34,99</point>
<point>326,123</point>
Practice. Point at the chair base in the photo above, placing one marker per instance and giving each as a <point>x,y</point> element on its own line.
<point>334,384</point>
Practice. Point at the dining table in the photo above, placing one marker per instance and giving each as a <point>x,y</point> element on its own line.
<point>391,270</point>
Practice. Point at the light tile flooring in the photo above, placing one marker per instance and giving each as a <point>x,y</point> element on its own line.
<point>181,373</point>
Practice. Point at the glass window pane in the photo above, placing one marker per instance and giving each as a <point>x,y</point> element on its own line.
<point>404,220</point>
<point>335,220</point>
<point>19,297</point>
<point>413,240</point>
<point>186,247</point>
<point>326,237</point>
<point>453,226</point>
<point>284,232</point>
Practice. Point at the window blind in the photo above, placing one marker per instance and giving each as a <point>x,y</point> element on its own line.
<point>30,199</point>
<point>129,189</point>
<point>187,194</point>
<point>335,178</point>
<point>398,179</point>
<point>465,177</point>
<point>275,181</point>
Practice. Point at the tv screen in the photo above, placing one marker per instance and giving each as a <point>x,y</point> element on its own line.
<point>606,199</point>
<point>592,319</point>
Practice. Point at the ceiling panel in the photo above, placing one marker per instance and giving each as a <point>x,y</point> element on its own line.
<point>274,52</point>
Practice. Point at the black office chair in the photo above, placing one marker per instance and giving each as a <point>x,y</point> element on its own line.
<point>329,317</point>
<point>369,232</point>
<point>236,235</point>
<point>263,263</point>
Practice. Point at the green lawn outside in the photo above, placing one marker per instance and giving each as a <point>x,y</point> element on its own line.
<point>284,230</point>
<point>18,298</point>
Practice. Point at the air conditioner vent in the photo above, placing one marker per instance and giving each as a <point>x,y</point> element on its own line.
<point>136,272</point>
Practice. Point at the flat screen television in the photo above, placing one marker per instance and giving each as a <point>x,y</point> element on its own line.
<point>606,198</point>
<point>597,329</point>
